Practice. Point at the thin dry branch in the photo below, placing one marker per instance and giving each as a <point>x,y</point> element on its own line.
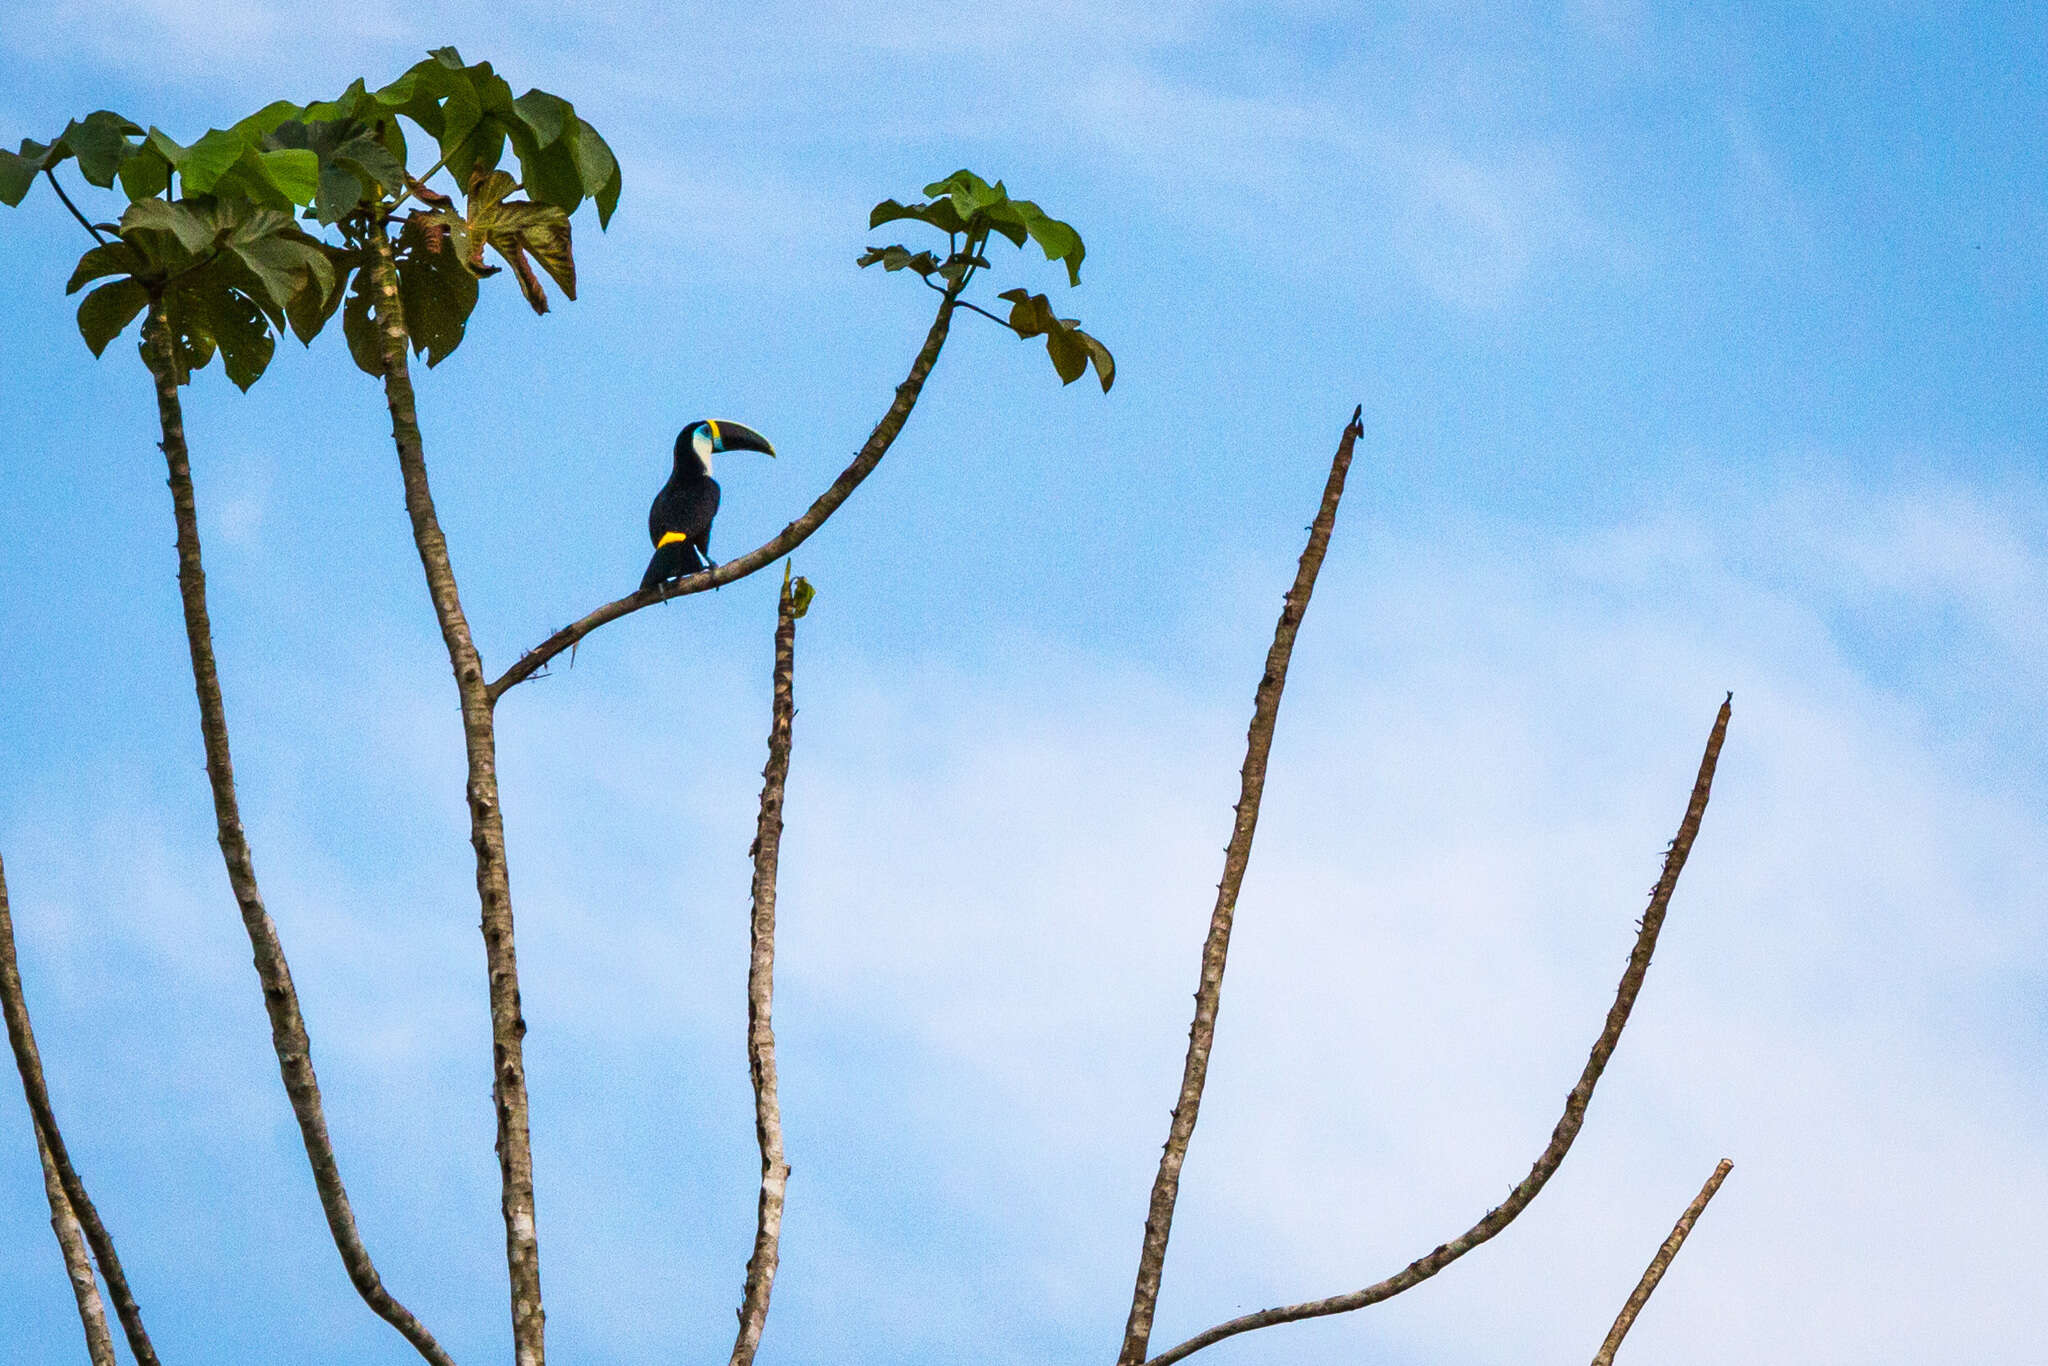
<point>1658,1264</point>
<point>1208,997</point>
<point>1568,1126</point>
<point>288,1037</point>
<point>767,852</point>
<point>28,1061</point>
<point>92,1314</point>
<point>786,540</point>
<point>486,826</point>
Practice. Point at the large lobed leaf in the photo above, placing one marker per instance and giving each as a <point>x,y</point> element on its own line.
<point>227,274</point>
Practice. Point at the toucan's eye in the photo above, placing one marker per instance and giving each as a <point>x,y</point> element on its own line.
<point>702,440</point>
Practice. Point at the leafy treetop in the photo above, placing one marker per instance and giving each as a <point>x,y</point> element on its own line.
<point>969,211</point>
<point>230,267</point>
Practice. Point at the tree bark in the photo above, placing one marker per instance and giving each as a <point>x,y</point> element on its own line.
<point>28,1061</point>
<point>486,821</point>
<point>288,1035</point>
<point>1237,856</point>
<point>1659,1264</point>
<point>767,852</point>
<point>92,1314</point>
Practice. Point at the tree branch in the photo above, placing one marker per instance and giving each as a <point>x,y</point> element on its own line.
<point>288,1035</point>
<point>83,221</point>
<point>1568,1126</point>
<point>767,852</point>
<point>30,1064</point>
<point>788,539</point>
<point>1208,996</point>
<point>1659,1264</point>
<point>92,1314</point>
<point>486,825</point>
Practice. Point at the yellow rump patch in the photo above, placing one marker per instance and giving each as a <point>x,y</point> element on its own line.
<point>669,539</point>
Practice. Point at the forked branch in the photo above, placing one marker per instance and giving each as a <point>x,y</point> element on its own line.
<point>1561,1138</point>
<point>1202,1034</point>
<point>788,539</point>
<point>767,852</point>
<point>1658,1264</point>
<point>30,1064</point>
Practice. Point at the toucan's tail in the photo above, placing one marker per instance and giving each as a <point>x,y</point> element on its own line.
<point>671,561</point>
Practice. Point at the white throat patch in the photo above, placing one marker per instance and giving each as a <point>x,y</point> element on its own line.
<point>700,442</point>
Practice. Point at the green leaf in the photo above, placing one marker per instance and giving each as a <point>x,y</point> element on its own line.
<point>435,288</point>
<point>309,309</point>
<point>208,319</point>
<point>176,220</point>
<point>279,267</point>
<point>373,161</point>
<point>899,258</point>
<point>347,105</point>
<point>551,175</point>
<point>941,215</point>
<point>1057,240</point>
<point>100,142</point>
<point>1006,218</point>
<point>166,148</point>
<point>359,326</point>
<point>294,172</point>
<point>600,171</point>
<point>1105,364</point>
<point>1069,357</point>
<point>115,258</point>
<point>105,312</point>
<point>549,116</point>
<point>208,159</point>
<point>18,172</point>
<point>145,174</point>
<point>266,120</point>
<point>338,194</point>
<point>800,595</point>
<point>1070,348</point>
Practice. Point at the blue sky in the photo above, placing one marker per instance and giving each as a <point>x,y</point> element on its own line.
<point>1698,352</point>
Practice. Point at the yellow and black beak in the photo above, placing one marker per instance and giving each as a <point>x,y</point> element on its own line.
<point>734,436</point>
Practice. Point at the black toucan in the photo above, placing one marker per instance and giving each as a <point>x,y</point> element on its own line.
<point>679,523</point>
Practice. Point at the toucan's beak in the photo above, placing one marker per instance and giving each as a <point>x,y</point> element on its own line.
<point>733,436</point>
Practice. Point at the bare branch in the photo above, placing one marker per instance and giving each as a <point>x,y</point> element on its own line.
<point>1568,1126</point>
<point>30,1064</point>
<point>1208,997</point>
<point>288,1035</point>
<point>1658,1264</point>
<point>92,1314</point>
<point>788,539</point>
<point>767,851</point>
<point>486,825</point>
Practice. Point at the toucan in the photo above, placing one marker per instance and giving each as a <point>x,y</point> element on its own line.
<point>679,523</point>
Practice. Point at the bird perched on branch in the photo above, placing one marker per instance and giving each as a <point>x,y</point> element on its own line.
<point>679,523</point>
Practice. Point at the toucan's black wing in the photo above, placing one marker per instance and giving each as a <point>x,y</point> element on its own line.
<point>679,524</point>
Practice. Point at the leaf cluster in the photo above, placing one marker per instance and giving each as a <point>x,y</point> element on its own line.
<point>225,275</point>
<point>240,162</point>
<point>969,210</point>
<point>231,269</point>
